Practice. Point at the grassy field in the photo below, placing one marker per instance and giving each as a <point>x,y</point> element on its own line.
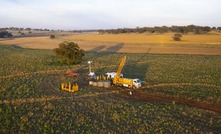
<point>32,100</point>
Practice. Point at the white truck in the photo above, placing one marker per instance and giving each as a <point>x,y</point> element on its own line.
<point>131,83</point>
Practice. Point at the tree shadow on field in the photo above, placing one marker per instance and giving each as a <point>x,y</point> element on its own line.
<point>97,49</point>
<point>98,53</point>
<point>115,48</point>
<point>17,47</point>
<point>138,68</point>
<point>135,70</point>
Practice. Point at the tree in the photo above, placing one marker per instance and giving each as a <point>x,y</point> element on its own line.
<point>52,36</point>
<point>213,28</point>
<point>177,37</point>
<point>219,29</point>
<point>5,34</point>
<point>206,29</point>
<point>69,52</point>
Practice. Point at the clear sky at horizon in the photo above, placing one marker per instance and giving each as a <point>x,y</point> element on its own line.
<point>106,14</point>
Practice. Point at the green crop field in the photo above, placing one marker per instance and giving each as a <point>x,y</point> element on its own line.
<point>31,99</point>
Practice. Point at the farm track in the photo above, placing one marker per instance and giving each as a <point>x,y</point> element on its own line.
<point>143,96</point>
<point>179,84</point>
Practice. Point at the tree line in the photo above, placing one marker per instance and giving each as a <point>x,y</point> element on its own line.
<point>34,29</point>
<point>157,29</point>
<point>21,29</point>
<point>163,29</point>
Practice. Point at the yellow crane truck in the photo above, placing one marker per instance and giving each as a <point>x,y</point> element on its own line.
<point>126,82</point>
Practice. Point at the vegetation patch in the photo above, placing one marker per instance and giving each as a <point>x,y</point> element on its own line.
<point>69,52</point>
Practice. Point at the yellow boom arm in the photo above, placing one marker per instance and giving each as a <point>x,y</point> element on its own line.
<point>123,60</point>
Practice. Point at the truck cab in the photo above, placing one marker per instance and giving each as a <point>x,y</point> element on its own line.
<point>136,83</point>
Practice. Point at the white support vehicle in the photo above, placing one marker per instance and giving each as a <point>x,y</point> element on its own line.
<point>113,74</point>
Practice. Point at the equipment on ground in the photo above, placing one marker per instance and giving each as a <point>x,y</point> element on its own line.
<point>114,78</point>
<point>126,82</point>
<point>69,73</point>
<point>68,87</point>
<point>91,73</point>
<point>100,81</point>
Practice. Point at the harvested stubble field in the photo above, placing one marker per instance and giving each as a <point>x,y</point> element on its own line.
<point>32,101</point>
<point>206,44</point>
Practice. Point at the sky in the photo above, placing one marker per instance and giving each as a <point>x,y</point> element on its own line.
<point>108,14</point>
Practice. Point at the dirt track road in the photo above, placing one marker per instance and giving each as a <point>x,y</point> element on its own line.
<point>142,96</point>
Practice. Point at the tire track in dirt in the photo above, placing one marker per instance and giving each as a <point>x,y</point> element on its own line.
<point>179,84</point>
<point>143,96</point>
<point>153,97</point>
